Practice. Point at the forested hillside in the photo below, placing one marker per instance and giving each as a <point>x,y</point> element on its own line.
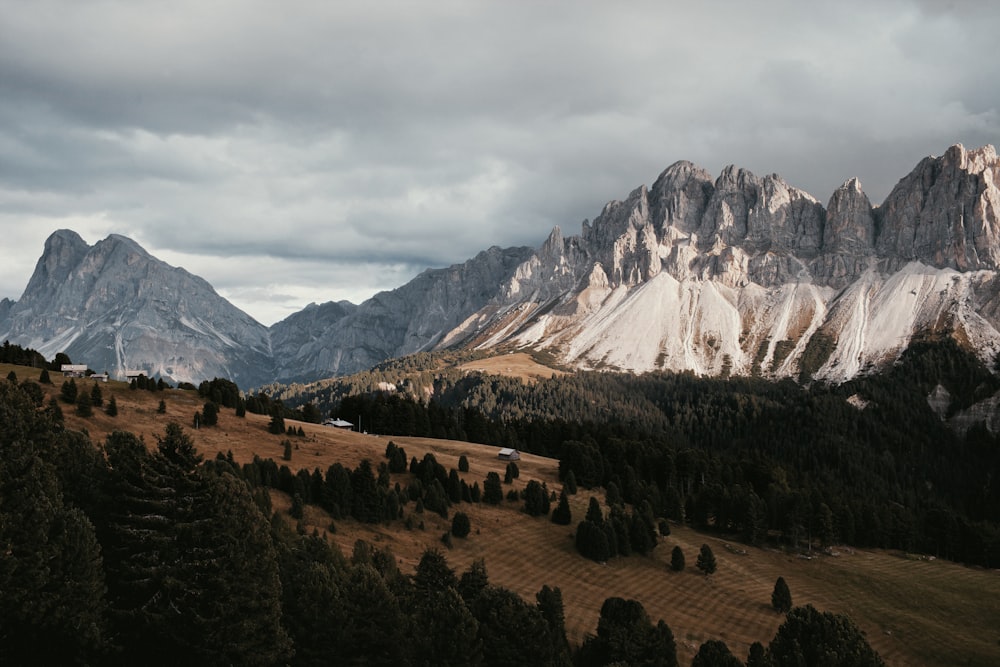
<point>124,553</point>
<point>866,463</point>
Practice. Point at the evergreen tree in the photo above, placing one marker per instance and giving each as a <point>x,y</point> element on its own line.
<point>810,637</point>
<point>460,526</point>
<point>549,602</point>
<point>112,408</point>
<point>287,453</point>
<point>210,414</point>
<point>463,463</point>
<point>12,377</point>
<point>536,499</point>
<point>161,409</point>
<point>562,515</point>
<point>473,581</point>
<point>277,423</point>
<point>44,378</point>
<point>595,514</point>
<point>68,391</point>
<point>492,491</point>
<point>96,396</point>
<point>677,559</point>
<point>54,411</point>
<point>366,502</point>
<point>625,635</point>
<point>757,656</point>
<point>715,653</point>
<point>83,405</point>
<point>570,483</point>
<point>512,631</point>
<point>706,560</point>
<point>592,541</point>
<point>781,597</point>
<point>298,508</point>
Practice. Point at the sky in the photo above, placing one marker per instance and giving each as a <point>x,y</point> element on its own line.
<point>296,152</point>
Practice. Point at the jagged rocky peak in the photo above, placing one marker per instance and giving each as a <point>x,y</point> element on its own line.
<point>679,196</point>
<point>850,223</point>
<point>946,212</point>
<point>63,252</point>
<point>761,215</point>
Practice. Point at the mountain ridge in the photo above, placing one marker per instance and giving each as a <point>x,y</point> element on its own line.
<point>737,274</point>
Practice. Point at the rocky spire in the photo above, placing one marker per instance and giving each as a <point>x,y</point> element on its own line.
<point>850,225</point>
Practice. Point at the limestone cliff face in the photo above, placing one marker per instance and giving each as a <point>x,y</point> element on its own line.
<point>114,307</point>
<point>945,212</point>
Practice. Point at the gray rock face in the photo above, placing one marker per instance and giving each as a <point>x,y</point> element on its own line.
<point>945,212</point>
<point>335,339</point>
<point>724,270</point>
<point>114,307</point>
<point>742,273</point>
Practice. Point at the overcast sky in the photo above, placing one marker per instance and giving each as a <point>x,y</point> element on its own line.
<point>302,151</point>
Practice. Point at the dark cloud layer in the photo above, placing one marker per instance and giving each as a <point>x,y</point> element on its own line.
<point>290,152</point>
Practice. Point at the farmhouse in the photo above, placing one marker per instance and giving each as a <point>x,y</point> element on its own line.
<point>132,375</point>
<point>74,370</point>
<point>99,377</point>
<point>508,454</point>
<point>338,423</point>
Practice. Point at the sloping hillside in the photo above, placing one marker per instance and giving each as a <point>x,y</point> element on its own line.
<point>914,611</point>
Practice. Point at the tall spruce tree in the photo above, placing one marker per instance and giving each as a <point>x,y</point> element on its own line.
<point>706,560</point>
<point>781,597</point>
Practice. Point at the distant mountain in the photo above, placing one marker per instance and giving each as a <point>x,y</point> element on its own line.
<point>734,275</point>
<point>339,338</point>
<point>114,307</point>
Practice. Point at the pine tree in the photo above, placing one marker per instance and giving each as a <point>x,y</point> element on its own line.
<point>162,407</point>
<point>594,512</point>
<point>473,581</point>
<point>810,637</point>
<point>44,378</point>
<point>536,499</point>
<point>715,653</point>
<point>96,396</point>
<point>112,408</point>
<point>677,559</point>
<point>209,414</point>
<point>460,526</point>
<point>68,391</point>
<point>781,597</point>
<point>492,491</point>
<point>83,405</point>
<point>562,515</point>
<point>277,423</point>
<point>706,560</point>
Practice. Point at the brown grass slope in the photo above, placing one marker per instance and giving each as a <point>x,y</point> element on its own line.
<point>914,612</point>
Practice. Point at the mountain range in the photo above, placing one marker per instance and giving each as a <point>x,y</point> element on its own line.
<point>738,274</point>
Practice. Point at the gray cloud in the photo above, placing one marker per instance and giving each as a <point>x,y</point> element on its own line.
<point>349,147</point>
